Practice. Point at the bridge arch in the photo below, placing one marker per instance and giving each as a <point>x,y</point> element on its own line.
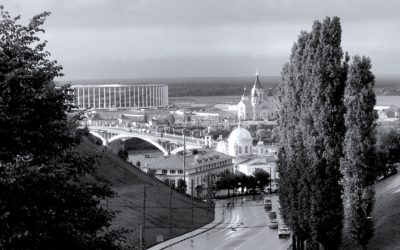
<point>103,140</point>
<point>124,136</point>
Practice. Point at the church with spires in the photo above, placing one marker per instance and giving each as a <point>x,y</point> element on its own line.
<point>257,106</point>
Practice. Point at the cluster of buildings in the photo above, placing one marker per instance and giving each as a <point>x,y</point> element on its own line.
<point>123,105</point>
<point>200,167</point>
<point>386,112</point>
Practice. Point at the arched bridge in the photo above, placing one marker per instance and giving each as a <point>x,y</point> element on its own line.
<point>167,143</point>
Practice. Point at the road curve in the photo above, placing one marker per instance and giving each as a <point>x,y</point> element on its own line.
<point>244,226</point>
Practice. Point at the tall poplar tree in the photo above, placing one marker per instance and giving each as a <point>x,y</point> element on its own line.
<point>291,146</point>
<point>328,83</point>
<point>311,134</point>
<point>357,165</point>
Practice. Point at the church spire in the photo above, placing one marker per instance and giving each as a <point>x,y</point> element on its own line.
<point>257,84</point>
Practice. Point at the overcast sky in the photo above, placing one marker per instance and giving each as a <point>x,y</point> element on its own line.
<point>178,38</point>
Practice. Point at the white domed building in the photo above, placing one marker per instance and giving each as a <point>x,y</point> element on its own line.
<point>246,158</point>
<point>240,143</point>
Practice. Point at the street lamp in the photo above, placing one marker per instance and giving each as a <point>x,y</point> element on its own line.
<point>241,199</point>
<point>258,184</point>
<point>270,180</point>
<point>184,157</point>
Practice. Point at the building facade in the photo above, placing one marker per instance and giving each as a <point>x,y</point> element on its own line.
<point>118,96</point>
<point>202,167</point>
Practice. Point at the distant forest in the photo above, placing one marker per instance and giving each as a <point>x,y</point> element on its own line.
<point>227,86</point>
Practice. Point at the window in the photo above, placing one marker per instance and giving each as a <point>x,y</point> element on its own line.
<point>245,149</point>
<point>164,171</point>
<point>180,171</point>
<point>240,150</point>
<point>172,171</point>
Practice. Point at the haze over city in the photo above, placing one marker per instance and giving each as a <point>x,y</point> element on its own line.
<point>138,39</point>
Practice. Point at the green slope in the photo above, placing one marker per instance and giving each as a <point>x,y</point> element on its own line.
<point>128,182</point>
<point>386,216</point>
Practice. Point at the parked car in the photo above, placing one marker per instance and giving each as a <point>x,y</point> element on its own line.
<point>273,224</point>
<point>272,215</point>
<point>267,203</point>
<point>283,231</point>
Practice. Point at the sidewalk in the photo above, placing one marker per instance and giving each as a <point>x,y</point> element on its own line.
<point>219,218</point>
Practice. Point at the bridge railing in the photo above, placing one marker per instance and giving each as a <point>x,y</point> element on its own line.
<point>142,132</point>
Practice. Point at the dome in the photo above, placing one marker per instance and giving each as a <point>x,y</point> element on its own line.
<point>239,136</point>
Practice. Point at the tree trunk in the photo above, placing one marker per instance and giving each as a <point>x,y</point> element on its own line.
<point>294,242</point>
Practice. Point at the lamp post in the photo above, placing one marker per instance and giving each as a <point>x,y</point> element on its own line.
<point>270,180</point>
<point>241,198</point>
<point>258,184</point>
<point>184,157</point>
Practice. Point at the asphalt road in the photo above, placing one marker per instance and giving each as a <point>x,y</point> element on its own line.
<point>245,226</point>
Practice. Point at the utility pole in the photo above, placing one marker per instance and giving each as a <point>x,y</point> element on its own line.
<point>170,209</point>
<point>192,201</point>
<point>140,238</point>
<point>270,181</point>
<point>184,157</point>
<point>209,190</point>
<point>144,213</point>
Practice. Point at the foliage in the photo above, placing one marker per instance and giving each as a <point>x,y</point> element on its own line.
<point>229,180</point>
<point>123,154</point>
<point>181,187</point>
<point>45,201</point>
<point>225,180</point>
<point>388,149</point>
<point>358,163</point>
<point>37,215</point>
<point>311,131</point>
<point>170,119</point>
<point>262,178</point>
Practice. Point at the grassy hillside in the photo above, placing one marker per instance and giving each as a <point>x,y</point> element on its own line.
<point>386,216</point>
<point>128,182</point>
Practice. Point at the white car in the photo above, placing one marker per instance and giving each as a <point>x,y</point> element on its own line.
<point>283,231</point>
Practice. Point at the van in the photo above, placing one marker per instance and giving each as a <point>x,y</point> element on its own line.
<point>267,203</point>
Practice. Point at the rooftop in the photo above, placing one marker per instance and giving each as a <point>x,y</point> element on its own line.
<point>194,158</point>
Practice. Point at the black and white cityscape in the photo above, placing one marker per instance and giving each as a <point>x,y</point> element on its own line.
<point>171,124</point>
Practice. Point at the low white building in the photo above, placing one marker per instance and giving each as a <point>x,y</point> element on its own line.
<point>267,164</point>
<point>202,167</point>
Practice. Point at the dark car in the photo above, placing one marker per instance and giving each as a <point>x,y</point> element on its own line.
<point>272,215</point>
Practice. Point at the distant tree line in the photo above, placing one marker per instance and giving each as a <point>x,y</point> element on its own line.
<point>231,181</point>
<point>326,131</point>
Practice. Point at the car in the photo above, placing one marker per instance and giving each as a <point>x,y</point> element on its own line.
<point>272,215</point>
<point>267,203</point>
<point>273,224</point>
<point>283,231</point>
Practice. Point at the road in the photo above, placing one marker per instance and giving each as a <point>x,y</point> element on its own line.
<point>245,226</point>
